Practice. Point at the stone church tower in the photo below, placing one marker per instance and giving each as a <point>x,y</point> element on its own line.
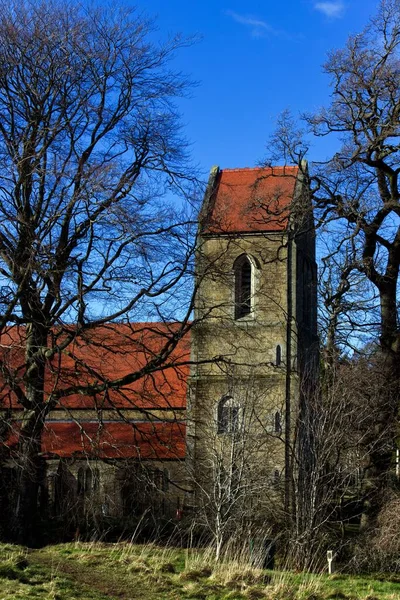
<point>256,336</point>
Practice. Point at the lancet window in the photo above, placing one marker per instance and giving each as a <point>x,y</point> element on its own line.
<point>244,276</point>
<point>228,415</point>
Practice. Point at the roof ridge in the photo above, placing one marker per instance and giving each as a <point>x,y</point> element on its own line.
<point>273,167</point>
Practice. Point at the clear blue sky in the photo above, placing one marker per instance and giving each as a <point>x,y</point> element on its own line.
<point>254,60</point>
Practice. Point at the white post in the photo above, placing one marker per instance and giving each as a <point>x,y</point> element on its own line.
<point>329,556</point>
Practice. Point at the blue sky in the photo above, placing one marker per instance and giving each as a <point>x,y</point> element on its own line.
<point>254,60</point>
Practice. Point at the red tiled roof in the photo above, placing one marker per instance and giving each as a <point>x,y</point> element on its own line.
<point>246,200</point>
<point>111,440</point>
<point>111,352</point>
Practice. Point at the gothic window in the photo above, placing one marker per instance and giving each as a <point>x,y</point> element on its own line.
<point>88,481</point>
<point>228,415</point>
<point>243,286</point>
<point>159,479</point>
<point>278,359</point>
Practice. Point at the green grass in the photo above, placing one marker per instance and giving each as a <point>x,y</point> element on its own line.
<point>96,571</point>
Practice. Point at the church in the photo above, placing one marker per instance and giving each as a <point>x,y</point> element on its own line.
<point>216,425</point>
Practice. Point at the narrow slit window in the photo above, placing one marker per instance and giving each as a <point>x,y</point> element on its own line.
<point>81,481</point>
<point>96,480</point>
<point>278,358</point>
<point>278,423</point>
<point>88,481</point>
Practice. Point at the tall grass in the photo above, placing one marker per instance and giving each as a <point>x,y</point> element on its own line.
<point>166,573</point>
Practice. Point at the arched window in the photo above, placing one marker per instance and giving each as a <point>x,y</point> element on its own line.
<point>278,359</point>
<point>277,422</point>
<point>88,481</point>
<point>228,415</point>
<point>243,286</point>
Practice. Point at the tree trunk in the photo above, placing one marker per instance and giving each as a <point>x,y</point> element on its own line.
<point>383,435</point>
<point>30,472</point>
<point>29,461</point>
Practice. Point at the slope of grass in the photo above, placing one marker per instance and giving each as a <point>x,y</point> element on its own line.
<point>21,577</point>
<point>79,571</point>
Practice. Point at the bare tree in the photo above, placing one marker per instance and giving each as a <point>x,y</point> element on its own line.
<point>330,455</point>
<point>356,192</point>
<point>336,436</point>
<point>347,307</point>
<point>239,481</point>
<point>89,145</point>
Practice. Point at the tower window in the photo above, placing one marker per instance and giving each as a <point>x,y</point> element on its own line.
<point>278,358</point>
<point>228,415</point>
<point>243,285</point>
<point>278,423</point>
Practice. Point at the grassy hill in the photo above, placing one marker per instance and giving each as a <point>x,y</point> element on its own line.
<point>83,571</point>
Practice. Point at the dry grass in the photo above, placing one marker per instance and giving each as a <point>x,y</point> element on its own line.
<point>97,571</point>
